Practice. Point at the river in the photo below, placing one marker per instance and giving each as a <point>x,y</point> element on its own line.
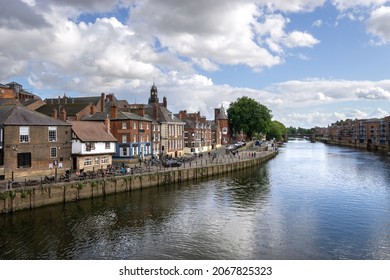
<point>312,201</point>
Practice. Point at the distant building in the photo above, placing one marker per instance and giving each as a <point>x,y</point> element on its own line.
<point>72,108</point>
<point>13,93</point>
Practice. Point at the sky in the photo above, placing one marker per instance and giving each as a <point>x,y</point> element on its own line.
<point>311,62</point>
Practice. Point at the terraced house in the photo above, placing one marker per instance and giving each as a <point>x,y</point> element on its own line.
<point>133,132</point>
<point>171,127</point>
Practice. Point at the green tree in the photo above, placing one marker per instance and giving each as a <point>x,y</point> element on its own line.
<point>249,116</point>
<point>277,130</point>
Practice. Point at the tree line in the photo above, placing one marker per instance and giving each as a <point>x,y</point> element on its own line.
<point>255,119</point>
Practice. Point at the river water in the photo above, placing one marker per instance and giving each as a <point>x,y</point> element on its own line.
<point>312,201</point>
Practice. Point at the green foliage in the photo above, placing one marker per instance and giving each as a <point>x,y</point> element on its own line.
<point>23,194</point>
<point>249,116</point>
<point>277,130</point>
<point>298,131</point>
<point>4,195</point>
<point>79,186</point>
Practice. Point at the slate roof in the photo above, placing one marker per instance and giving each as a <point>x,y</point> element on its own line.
<point>222,114</point>
<point>164,115</point>
<point>92,131</point>
<point>72,105</point>
<point>19,115</point>
<point>101,116</point>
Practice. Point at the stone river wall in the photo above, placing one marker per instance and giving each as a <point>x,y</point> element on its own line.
<point>32,197</point>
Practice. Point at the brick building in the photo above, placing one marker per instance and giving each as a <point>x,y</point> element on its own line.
<point>171,127</point>
<point>132,131</point>
<point>197,132</point>
<point>222,132</point>
<point>32,143</point>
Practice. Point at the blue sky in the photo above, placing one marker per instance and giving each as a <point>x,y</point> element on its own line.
<point>312,62</point>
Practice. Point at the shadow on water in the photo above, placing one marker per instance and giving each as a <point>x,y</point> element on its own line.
<point>312,201</point>
<point>161,222</point>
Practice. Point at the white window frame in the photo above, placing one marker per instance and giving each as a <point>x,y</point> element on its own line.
<point>24,134</point>
<point>52,134</point>
<point>87,161</point>
<point>53,152</point>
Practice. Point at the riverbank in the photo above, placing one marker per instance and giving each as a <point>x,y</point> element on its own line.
<point>30,197</point>
<point>361,146</point>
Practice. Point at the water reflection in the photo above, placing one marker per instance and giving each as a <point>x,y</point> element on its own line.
<point>311,202</point>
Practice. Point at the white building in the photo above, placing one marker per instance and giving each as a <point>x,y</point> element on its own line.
<point>92,145</point>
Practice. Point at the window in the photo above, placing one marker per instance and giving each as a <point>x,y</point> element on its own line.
<point>53,152</point>
<point>124,152</point>
<point>134,125</point>
<point>124,125</point>
<point>97,160</point>
<point>89,146</point>
<point>52,134</point>
<point>124,138</point>
<point>107,145</point>
<point>224,130</point>
<point>104,160</point>
<point>24,160</point>
<point>87,162</point>
<point>24,134</point>
<point>134,138</point>
<point>140,125</point>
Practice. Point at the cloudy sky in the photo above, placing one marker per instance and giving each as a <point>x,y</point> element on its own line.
<point>312,62</point>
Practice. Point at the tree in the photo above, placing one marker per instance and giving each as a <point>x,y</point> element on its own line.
<point>249,116</point>
<point>277,130</point>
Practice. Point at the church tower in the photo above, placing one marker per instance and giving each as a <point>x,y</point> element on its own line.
<point>153,95</point>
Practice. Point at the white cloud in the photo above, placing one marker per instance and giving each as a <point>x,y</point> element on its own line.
<point>355,4</point>
<point>300,39</point>
<point>294,5</point>
<point>373,93</point>
<point>168,41</point>
<point>379,23</point>
<point>317,23</point>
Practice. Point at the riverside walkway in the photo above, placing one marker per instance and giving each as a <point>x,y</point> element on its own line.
<point>215,157</point>
<point>23,195</point>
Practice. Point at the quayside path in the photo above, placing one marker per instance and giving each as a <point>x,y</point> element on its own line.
<point>28,193</point>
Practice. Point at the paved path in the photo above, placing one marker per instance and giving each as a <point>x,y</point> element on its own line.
<point>219,156</point>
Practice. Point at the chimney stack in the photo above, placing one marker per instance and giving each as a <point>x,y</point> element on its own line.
<point>107,123</point>
<point>102,102</point>
<point>141,111</point>
<point>182,114</point>
<point>54,113</point>
<point>165,103</point>
<point>114,111</point>
<point>92,109</point>
<point>63,114</point>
